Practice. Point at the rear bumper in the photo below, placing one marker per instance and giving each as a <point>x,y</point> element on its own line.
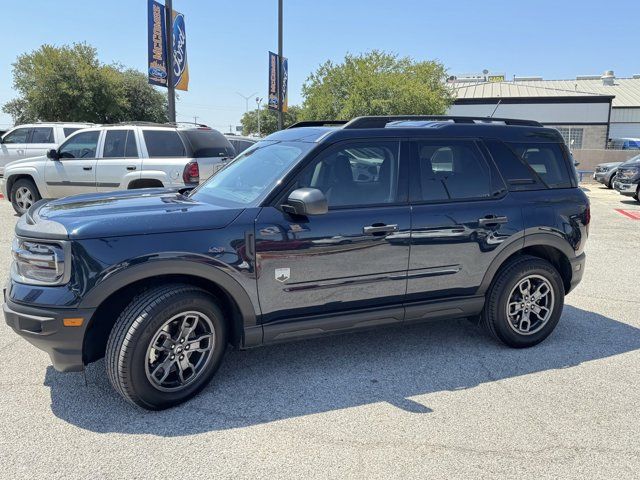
<point>577,270</point>
<point>628,189</point>
<point>45,330</point>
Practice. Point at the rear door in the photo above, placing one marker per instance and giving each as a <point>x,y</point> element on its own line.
<point>39,141</point>
<point>119,163</point>
<point>461,216</point>
<point>13,145</point>
<point>353,257</point>
<point>74,172</point>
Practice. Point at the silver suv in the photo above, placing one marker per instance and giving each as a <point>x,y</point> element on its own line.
<point>118,157</point>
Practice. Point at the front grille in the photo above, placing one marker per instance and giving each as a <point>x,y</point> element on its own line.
<point>625,174</point>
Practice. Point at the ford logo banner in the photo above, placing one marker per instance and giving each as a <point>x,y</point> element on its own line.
<point>156,72</point>
<point>180,66</point>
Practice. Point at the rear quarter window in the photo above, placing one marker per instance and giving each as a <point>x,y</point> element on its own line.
<point>164,143</point>
<point>547,160</point>
<point>208,143</point>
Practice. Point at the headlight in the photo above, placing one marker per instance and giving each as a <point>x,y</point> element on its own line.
<point>40,263</point>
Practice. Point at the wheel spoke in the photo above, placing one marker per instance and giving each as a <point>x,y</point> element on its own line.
<point>542,291</point>
<point>195,345</point>
<point>525,286</point>
<point>165,367</point>
<point>525,322</point>
<point>514,308</point>
<point>189,324</point>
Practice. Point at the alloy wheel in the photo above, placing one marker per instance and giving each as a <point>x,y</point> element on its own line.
<point>180,351</point>
<point>24,198</point>
<point>530,304</point>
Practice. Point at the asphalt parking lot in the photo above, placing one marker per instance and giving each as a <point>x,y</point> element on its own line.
<point>439,400</point>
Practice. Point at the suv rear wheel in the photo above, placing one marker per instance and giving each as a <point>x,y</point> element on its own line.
<point>24,193</point>
<point>524,303</point>
<point>166,346</point>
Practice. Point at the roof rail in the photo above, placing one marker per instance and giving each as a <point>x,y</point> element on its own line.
<point>382,121</point>
<point>317,123</point>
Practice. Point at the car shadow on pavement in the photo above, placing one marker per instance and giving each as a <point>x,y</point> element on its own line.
<point>314,376</point>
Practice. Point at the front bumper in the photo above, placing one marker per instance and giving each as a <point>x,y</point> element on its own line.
<point>45,330</point>
<point>601,177</point>
<point>628,189</point>
<point>577,270</point>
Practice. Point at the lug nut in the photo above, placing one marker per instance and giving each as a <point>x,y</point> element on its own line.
<point>172,357</point>
<point>187,347</point>
<point>181,357</point>
<point>182,340</point>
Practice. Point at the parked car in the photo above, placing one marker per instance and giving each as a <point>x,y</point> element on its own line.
<point>240,144</point>
<point>161,282</point>
<point>117,157</point>
<point>605,173</point>
<point>625,143</point>
<point>34,139</point>
<point>628,178</point>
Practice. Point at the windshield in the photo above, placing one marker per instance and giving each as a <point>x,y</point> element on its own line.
<point>247,180</point>
<point>635,159</point>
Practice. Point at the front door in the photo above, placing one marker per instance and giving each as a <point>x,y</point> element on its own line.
<point>74,172</point>
<point>348,259</point>
<point>461,215</point>
<point>119,164</point>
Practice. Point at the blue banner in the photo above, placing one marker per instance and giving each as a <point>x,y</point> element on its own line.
<point>157,54</point>
<point>284,84</point>
<point>273,96</point>
<point>180,65</point>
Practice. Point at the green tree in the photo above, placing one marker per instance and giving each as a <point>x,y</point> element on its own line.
<point>268,120</point>
<point>375,83</point>
<point>69,83</point>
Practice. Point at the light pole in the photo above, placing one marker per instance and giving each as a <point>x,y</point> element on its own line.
<point>258,101</point>
<point>246,100</point>
<point>280,123</point>
<point>171,91</point>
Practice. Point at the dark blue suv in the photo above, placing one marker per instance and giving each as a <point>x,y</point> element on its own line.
<point>317,229</point>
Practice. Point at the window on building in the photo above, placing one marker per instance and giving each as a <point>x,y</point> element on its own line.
<point>572,137</point>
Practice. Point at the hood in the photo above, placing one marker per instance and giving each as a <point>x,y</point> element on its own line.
<point>22,161</point>
<point>609,165</point>
<point>116,214</point>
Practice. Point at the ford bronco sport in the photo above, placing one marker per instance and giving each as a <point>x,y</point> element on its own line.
<point>316,229</point>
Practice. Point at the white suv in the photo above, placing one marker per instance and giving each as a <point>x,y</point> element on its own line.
<point>118,157</point>
<point>34,139</point>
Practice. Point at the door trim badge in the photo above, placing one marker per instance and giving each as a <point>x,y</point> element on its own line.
<point>282,274</point>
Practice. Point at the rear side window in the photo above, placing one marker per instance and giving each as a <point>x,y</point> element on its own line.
<point>208,143</point>
<point>120,144</point>
<point>451,170</point>
<point>164,143</point>
<point>517,174</point>
<point>42,135</point>
<point>547,160</point>
<point>69,130</point>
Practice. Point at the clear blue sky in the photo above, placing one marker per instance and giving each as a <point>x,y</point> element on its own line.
<point>228,40</point>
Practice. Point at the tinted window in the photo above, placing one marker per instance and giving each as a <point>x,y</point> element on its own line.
<point>208,143</point>
<point>41,135</point>
<point>355,175</point>
<point>517,173</point>
<point>452,170</point>
<point>17,136</point>
<point>240,145</point>
<point>164,143</point>
<point>81,145</point>
<point>547,160</point>
<point>69,130</point>
<point>119,144</point>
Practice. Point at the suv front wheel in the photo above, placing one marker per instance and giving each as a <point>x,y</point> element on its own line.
<point>165,346</point>
<point>524,303</point>
<point>23,194</point>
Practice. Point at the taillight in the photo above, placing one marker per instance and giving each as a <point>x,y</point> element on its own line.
<point>191,173</point>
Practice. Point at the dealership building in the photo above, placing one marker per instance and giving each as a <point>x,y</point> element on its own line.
<point>591,112</point>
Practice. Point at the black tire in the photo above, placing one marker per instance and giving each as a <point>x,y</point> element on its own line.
<point>136,327</point>
<point>637,195</point>
<point>19,189</point>
<point>611,180</point>
<point>494,316</point>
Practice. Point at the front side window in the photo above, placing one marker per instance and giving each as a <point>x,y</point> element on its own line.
<point>164,143</point>
<point>451,170</point>
<point>42,135</point>
<point>252,175</point>
<point>17,136</point>
<point>357,174</point>
<point>120,144</point>
<point>547,160</point>
<point>81,145</point>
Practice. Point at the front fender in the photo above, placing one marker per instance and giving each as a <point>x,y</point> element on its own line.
<point>32,172</point>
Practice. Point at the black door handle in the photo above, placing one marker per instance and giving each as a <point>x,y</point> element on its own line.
<point>87,168</point>
<point>131,167</point>
<point>489,220</point>
<point>379,229</point>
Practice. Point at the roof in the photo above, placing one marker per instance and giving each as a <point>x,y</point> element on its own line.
<point>518,89</point>
<point>625,91</point>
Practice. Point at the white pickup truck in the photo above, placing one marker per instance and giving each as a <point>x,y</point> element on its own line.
<point>118,157</point>
<point>34,139</point>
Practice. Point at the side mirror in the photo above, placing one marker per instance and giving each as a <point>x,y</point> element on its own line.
<point>53,154</point>
<point>306,201</point>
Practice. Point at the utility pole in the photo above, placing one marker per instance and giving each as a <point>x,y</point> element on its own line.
<point>246,100</point>
<point>171,91</point>
<point>258,101</point>
<point>280,72</point>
